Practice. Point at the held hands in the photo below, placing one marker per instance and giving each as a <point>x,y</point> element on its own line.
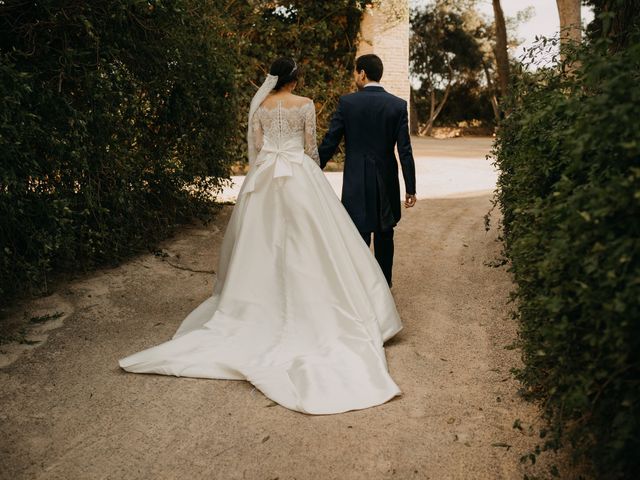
<point>410,201</point>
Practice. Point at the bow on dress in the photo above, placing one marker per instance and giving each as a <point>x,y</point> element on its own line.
<point>283,155</point>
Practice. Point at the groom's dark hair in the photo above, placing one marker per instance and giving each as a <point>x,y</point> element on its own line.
<point>372,66</point>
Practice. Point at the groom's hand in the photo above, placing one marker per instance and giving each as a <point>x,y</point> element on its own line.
<point>410,201</point>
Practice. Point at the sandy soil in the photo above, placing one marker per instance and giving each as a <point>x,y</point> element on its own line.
<point>69,412</point>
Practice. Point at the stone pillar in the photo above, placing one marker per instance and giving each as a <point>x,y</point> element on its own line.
<point>385,32</point>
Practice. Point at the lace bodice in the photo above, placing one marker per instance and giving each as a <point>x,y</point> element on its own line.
<point>280,123</point>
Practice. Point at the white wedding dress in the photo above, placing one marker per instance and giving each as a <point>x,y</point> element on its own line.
<point>300,308</point>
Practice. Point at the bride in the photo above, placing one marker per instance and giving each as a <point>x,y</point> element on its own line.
<point>300,308</point>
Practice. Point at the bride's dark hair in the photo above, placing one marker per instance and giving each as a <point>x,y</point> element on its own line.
<point>287,71</point>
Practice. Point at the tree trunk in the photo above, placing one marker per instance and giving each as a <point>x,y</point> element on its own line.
<point>492,91</point>
<point>413,114</point>
<point>432,108</point>
<point>502,56</point>
<point>435,111</point>
<point>570,22</point>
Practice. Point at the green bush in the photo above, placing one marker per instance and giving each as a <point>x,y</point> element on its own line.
<point>321,36</point>
<point>120,119</point>
<point>569,190</point>
<point>114,125</point>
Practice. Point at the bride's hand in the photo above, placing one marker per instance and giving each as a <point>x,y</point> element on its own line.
<point>410,201</point>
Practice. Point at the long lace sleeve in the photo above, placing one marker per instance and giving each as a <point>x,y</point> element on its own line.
<point>310,143</point>
<point>258,132</point>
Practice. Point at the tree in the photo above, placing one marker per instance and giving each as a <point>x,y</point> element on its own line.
<point>442,52</point>
<point>502,56</point>
<point>319,35</point>
<point>570,22</point>
<point>617,20</point>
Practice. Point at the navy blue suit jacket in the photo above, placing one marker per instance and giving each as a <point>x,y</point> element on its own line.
<point>372,122</point>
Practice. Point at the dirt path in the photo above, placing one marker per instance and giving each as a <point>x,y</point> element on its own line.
<point>69,412</point>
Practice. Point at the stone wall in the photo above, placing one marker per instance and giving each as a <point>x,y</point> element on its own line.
<point>385,32</point>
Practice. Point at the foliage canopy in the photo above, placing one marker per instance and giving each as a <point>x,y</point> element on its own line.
<point>120,119</point>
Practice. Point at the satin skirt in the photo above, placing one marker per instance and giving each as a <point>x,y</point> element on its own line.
<point>300,307</point>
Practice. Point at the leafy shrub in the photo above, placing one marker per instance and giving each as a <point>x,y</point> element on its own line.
<point>616,20</point>
<point>113,127</point>
<point>120,119</point>
<point>569,190</point>
<point>321,36</point>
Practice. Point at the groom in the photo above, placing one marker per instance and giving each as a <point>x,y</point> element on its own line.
<point>372,122</point>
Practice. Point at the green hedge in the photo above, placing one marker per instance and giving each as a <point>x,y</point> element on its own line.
<point>113,124</point>
<point>569,190</point>
<point>120,119</point>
